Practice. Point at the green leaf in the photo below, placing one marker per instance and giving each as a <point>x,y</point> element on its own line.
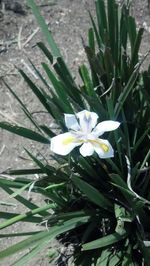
<point>56,198</point>
<point>55,186</point>
<point>7,184</point>
<point>47,131</point>
<point>12,216</point>
<point>39,74</point>
<point>41,95</point>
<point>59,89</point>
<point>140,140</point>
<point>136,202</point>
<point>91,39</point>
<point>69,215</point>
<point>89,230</point>
<point>26,171</point>
<point>92,193</point>
<point>87,80</point>
<point>44,28</point>
<point>98,37</point>
<point>20,234</point>
<point>128,258</point>
<point>21,217</point>
<point>127,89</point>
<point>38,162</point>
<point>20,190</point>
<point>45,236</point>
<point>145,250</point>
<point>104,258</point>
<point>66,82</point>
<point>101,18</point>
<point>24,108</point>
<point>115,259</point>
<point>134,58</point>
<point>87,166</point>
<point>24,132</point>
<point>104,241</point>
<point>45,51</point>
<point>112,25</point>
<point>132,32</point>
<point>18,183</point>
<point>19,198</point>
<point>124,27</point>
<point>27,257</point>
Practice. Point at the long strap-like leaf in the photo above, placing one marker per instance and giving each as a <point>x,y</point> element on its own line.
<point>24,132</point>
<point>55,50</point>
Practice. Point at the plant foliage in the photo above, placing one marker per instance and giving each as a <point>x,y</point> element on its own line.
<point>101,207</point>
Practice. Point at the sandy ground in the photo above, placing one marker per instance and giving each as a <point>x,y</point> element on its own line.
<point>68,21</point>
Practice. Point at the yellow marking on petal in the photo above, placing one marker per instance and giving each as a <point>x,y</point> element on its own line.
<point>102,145</point>
<point>87,114</point>
<point>68,140</point>
<point>105,147</point>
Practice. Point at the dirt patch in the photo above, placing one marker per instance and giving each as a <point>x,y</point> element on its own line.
<point>19,33</point>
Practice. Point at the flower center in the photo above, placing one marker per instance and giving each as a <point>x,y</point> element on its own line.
<point>84,138</point>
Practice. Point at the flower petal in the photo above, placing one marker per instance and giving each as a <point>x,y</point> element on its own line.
<point>105,126</point>
<point>64,143</point>
<point>103,148</point>
<point>87,120</point>
<point>71,122</point>
<point>86,149</point>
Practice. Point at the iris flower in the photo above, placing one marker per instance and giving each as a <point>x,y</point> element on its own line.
<point>84,131</point>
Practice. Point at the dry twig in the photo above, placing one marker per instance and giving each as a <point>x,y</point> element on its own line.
<point>30,37</point>
<point>19,37</point>
<point>29,68</point>
<point>2,149</point>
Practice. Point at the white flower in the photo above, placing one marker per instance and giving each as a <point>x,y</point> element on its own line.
<point>83,131</point>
